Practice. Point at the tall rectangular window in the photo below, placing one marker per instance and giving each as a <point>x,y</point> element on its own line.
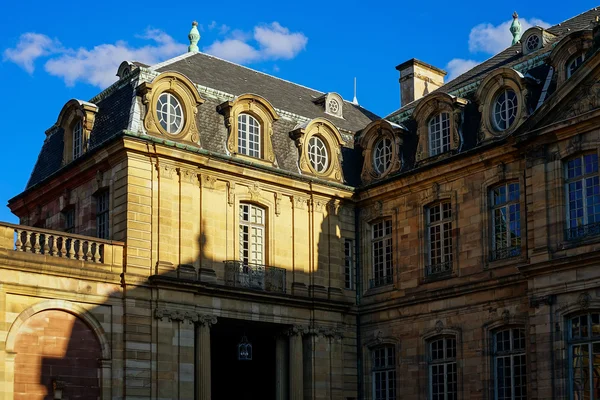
<point>69,215</point>
<point>510,366</point>
<point>102,207</point>
<point>384,373</point>
<point>381,244</point>
<point>443,376</point>
<point>506,221</point>
<point>77,139</point>
<point>252,234</point>
<point>584,356</point>
<point>583,197</point>
<point>439,134</point>
<point>348,264</point>
<point>439,228</point>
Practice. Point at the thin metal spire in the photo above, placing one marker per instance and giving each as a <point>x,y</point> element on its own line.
<point>355,100</point>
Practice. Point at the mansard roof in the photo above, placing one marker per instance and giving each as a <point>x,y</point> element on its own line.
<point>234,79</point>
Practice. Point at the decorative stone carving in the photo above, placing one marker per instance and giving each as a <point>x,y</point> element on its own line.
<point>230,193</point>
<point>209,181</point>
<point>300,202</point>
<point>297,330</point>
<point>278,204</point>
<point>439,326</point>
<point>165,171</point>
<point>501,171</point>
<point>506,316</point>
<point>187,316</point>
<point>187,175</point>
<point>584,300</point>
<point>259,108</point>
<point>255,191</point>
<point>185,91</point>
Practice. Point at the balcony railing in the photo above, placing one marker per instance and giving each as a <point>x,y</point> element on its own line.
<point>381,281</point>
<point>26,239</point>
<point>254,276</point>
<point>438,270</point>
<point>583,231</point>
<point>507,252</point>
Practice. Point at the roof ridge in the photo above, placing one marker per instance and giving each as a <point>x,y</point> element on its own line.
<point>576,16</point>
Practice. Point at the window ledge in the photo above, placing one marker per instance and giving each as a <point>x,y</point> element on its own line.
<point>506,261</point>
<point>439,277</point>
<point>379,289</point>
<point>570,244</point>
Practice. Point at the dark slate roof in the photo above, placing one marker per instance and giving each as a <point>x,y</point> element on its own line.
<point>112,117</point>
<point>236,80</point>
<point>511,56</point>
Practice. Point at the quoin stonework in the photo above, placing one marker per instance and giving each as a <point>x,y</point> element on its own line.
<point>201,230</point>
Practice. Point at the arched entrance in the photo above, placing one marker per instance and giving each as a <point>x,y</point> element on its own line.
<point>56,351</point>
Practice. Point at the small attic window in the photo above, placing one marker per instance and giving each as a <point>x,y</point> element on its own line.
<point>332,103</point>
<point>333,106</point>
<point>533,42</point>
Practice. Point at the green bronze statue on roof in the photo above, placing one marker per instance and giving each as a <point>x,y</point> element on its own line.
<point>515,28</point>
<point>194,37</point>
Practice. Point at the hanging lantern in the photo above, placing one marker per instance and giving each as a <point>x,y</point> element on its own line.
<point>244,349</point>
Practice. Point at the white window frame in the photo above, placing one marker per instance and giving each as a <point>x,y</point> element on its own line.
<point>348,264</point>
<point>510,208</point>
<point>442,263</point>
<point>446,363</point>
<point>382,155</point>
<point>77,139</point>
<point>582,224</point>
<point>102,215</point>
<point>508,112</point>
<point>382,252</point>
<point>439,134</point>
<point>513,355</point>
<point>318,154</point>
<point>170,116</point>
<point>252,234</point>
<point>574,64</point>
<point>590,341</point>
<point>249,135</point>
<point>384,372</point>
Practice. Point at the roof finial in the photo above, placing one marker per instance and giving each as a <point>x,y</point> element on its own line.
<point>355,100</point>
<point>515,28</point>
<point>194,37</point>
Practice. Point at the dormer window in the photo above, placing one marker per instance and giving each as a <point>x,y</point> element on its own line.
<point>382,155</point>
<point>574,64</point>
<point>77,139</point>
<point>248,135</point>
<point>334,106</point>
<point>170,113</point>
<point>505,109</point>
<point>439,134</point>
<point>332,103</point>
<point>533,42</point>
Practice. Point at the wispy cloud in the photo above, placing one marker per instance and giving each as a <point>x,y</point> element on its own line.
<point>30,47</point>
<point>267,42</point>
<point>488,39</point>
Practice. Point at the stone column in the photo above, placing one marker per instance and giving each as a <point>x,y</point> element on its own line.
<point>281,368</point>
<point>296,381</point>
<point>203,390</point>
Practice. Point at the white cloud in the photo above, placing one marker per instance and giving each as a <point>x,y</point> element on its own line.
<point>212,25</point>
<point>268,42</point>
<point>458,66</point>
<point>492,39</point>
<point>30,47</point>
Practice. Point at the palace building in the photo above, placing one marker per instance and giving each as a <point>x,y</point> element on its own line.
<point>201,230</point>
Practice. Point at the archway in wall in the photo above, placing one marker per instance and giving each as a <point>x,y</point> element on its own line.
<point>56,351</point>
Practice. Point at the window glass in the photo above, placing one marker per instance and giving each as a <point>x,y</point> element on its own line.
<point>583,197</point>
<point>248,135</point>
<point>443,376</point>
<point>584,356</point>
<point>317,154</point>
<point>505,109</point>
<point>252,234</point>
<point>384,373</point>
<point>439,134</point>
<point>506,221</point>
<point>77,140</point>
<point>102,227</point>
<point>510,364</point>
<point>382,155</point>
<point>170,113</point>
<point>381,244</point>
<point>574,64</point>
<point>348,264</point>
<point>439,227</point>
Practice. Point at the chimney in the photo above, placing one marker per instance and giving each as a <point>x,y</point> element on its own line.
<point>418,79</point>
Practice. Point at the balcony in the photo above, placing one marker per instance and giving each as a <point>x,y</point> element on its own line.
<point>435,271</point>
<point>381,281</point>
<point>254,276</point>
<point>505,253</point>
<point>583,232</point>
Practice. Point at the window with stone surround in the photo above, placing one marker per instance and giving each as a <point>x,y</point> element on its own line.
<point>384,372</point>
<point>505,221</point>
<point>439,239</point>
<point>439,134</point>
<point>348,264</point>
<point>248,135</point>
<point>252,235</point>
<point>102,214</point>
<point>381,247</point>
<point>574,64</point>
<point>584,356</point>
<point>442,369</point>
<point>583,197</point>
<point>510,364</point>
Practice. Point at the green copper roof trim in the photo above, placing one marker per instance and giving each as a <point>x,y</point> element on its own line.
<point>233,160</point>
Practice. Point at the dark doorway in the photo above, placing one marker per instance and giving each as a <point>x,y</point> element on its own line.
<point>243,379</point>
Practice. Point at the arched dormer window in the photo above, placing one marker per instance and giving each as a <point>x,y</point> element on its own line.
<point>569,54</point>
<point>249,119</point>
<point>76,119</point>
<point>438,118</point>
<point>319,148</point>
<point>381,141</point>
<point>502,103</point>
<point>535,38</point>
<point>172,102</point>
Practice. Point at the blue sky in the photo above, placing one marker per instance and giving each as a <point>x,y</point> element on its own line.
<point>51,52</point>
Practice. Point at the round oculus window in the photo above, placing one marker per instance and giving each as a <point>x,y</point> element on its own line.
<point>334,106</point>
<point>505,109</point>
<point>533,42</point>
<point>382,155</point>
<point>170,113</point>
<point>317,154</point>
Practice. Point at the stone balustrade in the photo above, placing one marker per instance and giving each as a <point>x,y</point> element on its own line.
<point>26,239</point>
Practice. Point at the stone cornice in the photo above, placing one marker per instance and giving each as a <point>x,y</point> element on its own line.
<point>185,316</point>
